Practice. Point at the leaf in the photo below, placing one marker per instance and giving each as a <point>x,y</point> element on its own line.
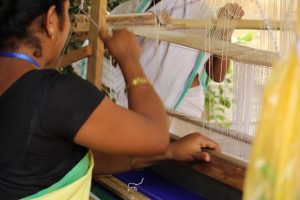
<point>220,117</point>
<point>221,90</point>
<point>220,109</point>
<point>225,102</point>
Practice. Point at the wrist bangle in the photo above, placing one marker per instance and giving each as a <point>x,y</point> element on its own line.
<point>137,81</point>
<point>133,163</point>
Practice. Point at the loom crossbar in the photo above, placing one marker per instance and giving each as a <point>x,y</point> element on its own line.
<point>151,20</point>
<point>72,57</point>
<point>235,52</point>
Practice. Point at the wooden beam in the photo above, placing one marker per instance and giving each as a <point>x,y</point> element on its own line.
<point>94,70</point>
<point>124,20</point>
<point>259,25</point>
<point>235,52</point>
<point>223,24</point>
<point>206,127</point>
<point>81,24</point>
<point>222,167</point>
<point>217,47</point>
<point>72,57</point>
<point>119,188</point>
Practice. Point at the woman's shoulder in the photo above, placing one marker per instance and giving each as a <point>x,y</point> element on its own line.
<point>51,75</point>
<point>69,99</point>
<point>55,80</point>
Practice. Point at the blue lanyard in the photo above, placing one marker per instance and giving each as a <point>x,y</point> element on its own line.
<point>20,56</point>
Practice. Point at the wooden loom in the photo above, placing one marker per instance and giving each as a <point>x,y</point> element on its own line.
<point>225,172</point>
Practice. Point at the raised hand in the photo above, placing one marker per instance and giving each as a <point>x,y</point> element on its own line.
<point>231,11</point>
<point>122,45</point>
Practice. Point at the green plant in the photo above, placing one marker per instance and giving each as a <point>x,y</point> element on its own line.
<point>219,97</point>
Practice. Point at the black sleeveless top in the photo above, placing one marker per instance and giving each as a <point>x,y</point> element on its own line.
<point>40,115</point>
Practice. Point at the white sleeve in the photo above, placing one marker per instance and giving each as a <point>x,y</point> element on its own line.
<point>126,7</point>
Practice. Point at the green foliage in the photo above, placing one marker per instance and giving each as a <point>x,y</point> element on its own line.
<point>74,6</point>
<point>248,37</point>
<point>218,102</point>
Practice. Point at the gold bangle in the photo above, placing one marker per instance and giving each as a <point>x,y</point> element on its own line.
<point>137,81</point>
<point>133,163</point>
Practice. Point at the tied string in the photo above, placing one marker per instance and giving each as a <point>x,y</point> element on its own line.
<point>267,23</point>
<point>133,187</point>
<point>89,18</point>
<point>82,10</point>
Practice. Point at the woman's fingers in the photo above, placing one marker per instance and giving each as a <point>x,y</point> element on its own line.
<point>203,156</point>
<point>212,145</point>
<point>122,45</point>
<point>208,143</point>
<point>104,34</point>
<point>231,11</point>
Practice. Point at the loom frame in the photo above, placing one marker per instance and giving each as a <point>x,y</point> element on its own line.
<point>224,169</point>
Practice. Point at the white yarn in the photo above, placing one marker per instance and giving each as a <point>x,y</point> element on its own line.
<point>133,187</point>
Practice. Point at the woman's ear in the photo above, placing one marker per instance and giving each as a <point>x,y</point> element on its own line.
<point>51,22</point>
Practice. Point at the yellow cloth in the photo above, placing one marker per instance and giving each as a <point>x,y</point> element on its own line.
<point>273,172</point>
<point>79,190</point>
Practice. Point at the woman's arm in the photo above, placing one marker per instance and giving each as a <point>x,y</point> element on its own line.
<point>143,129</point>
<point>216,66</point>
<point>188,148</point>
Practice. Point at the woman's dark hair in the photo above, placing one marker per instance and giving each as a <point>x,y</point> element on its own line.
<point>16,17</point>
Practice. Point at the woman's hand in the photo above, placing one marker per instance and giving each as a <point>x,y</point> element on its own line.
<point>189,148</point>
<point>231,11</point>
<point>122,46</point>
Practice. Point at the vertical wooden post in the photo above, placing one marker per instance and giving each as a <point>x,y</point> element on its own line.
<point>94,71</point>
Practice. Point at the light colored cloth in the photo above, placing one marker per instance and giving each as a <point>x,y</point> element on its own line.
<point>69,188</point>
<point>80,67</point>
<point>167,65</point>
<point>193,103</point>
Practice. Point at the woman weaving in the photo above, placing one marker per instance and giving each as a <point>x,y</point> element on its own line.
<point>49,121</point>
